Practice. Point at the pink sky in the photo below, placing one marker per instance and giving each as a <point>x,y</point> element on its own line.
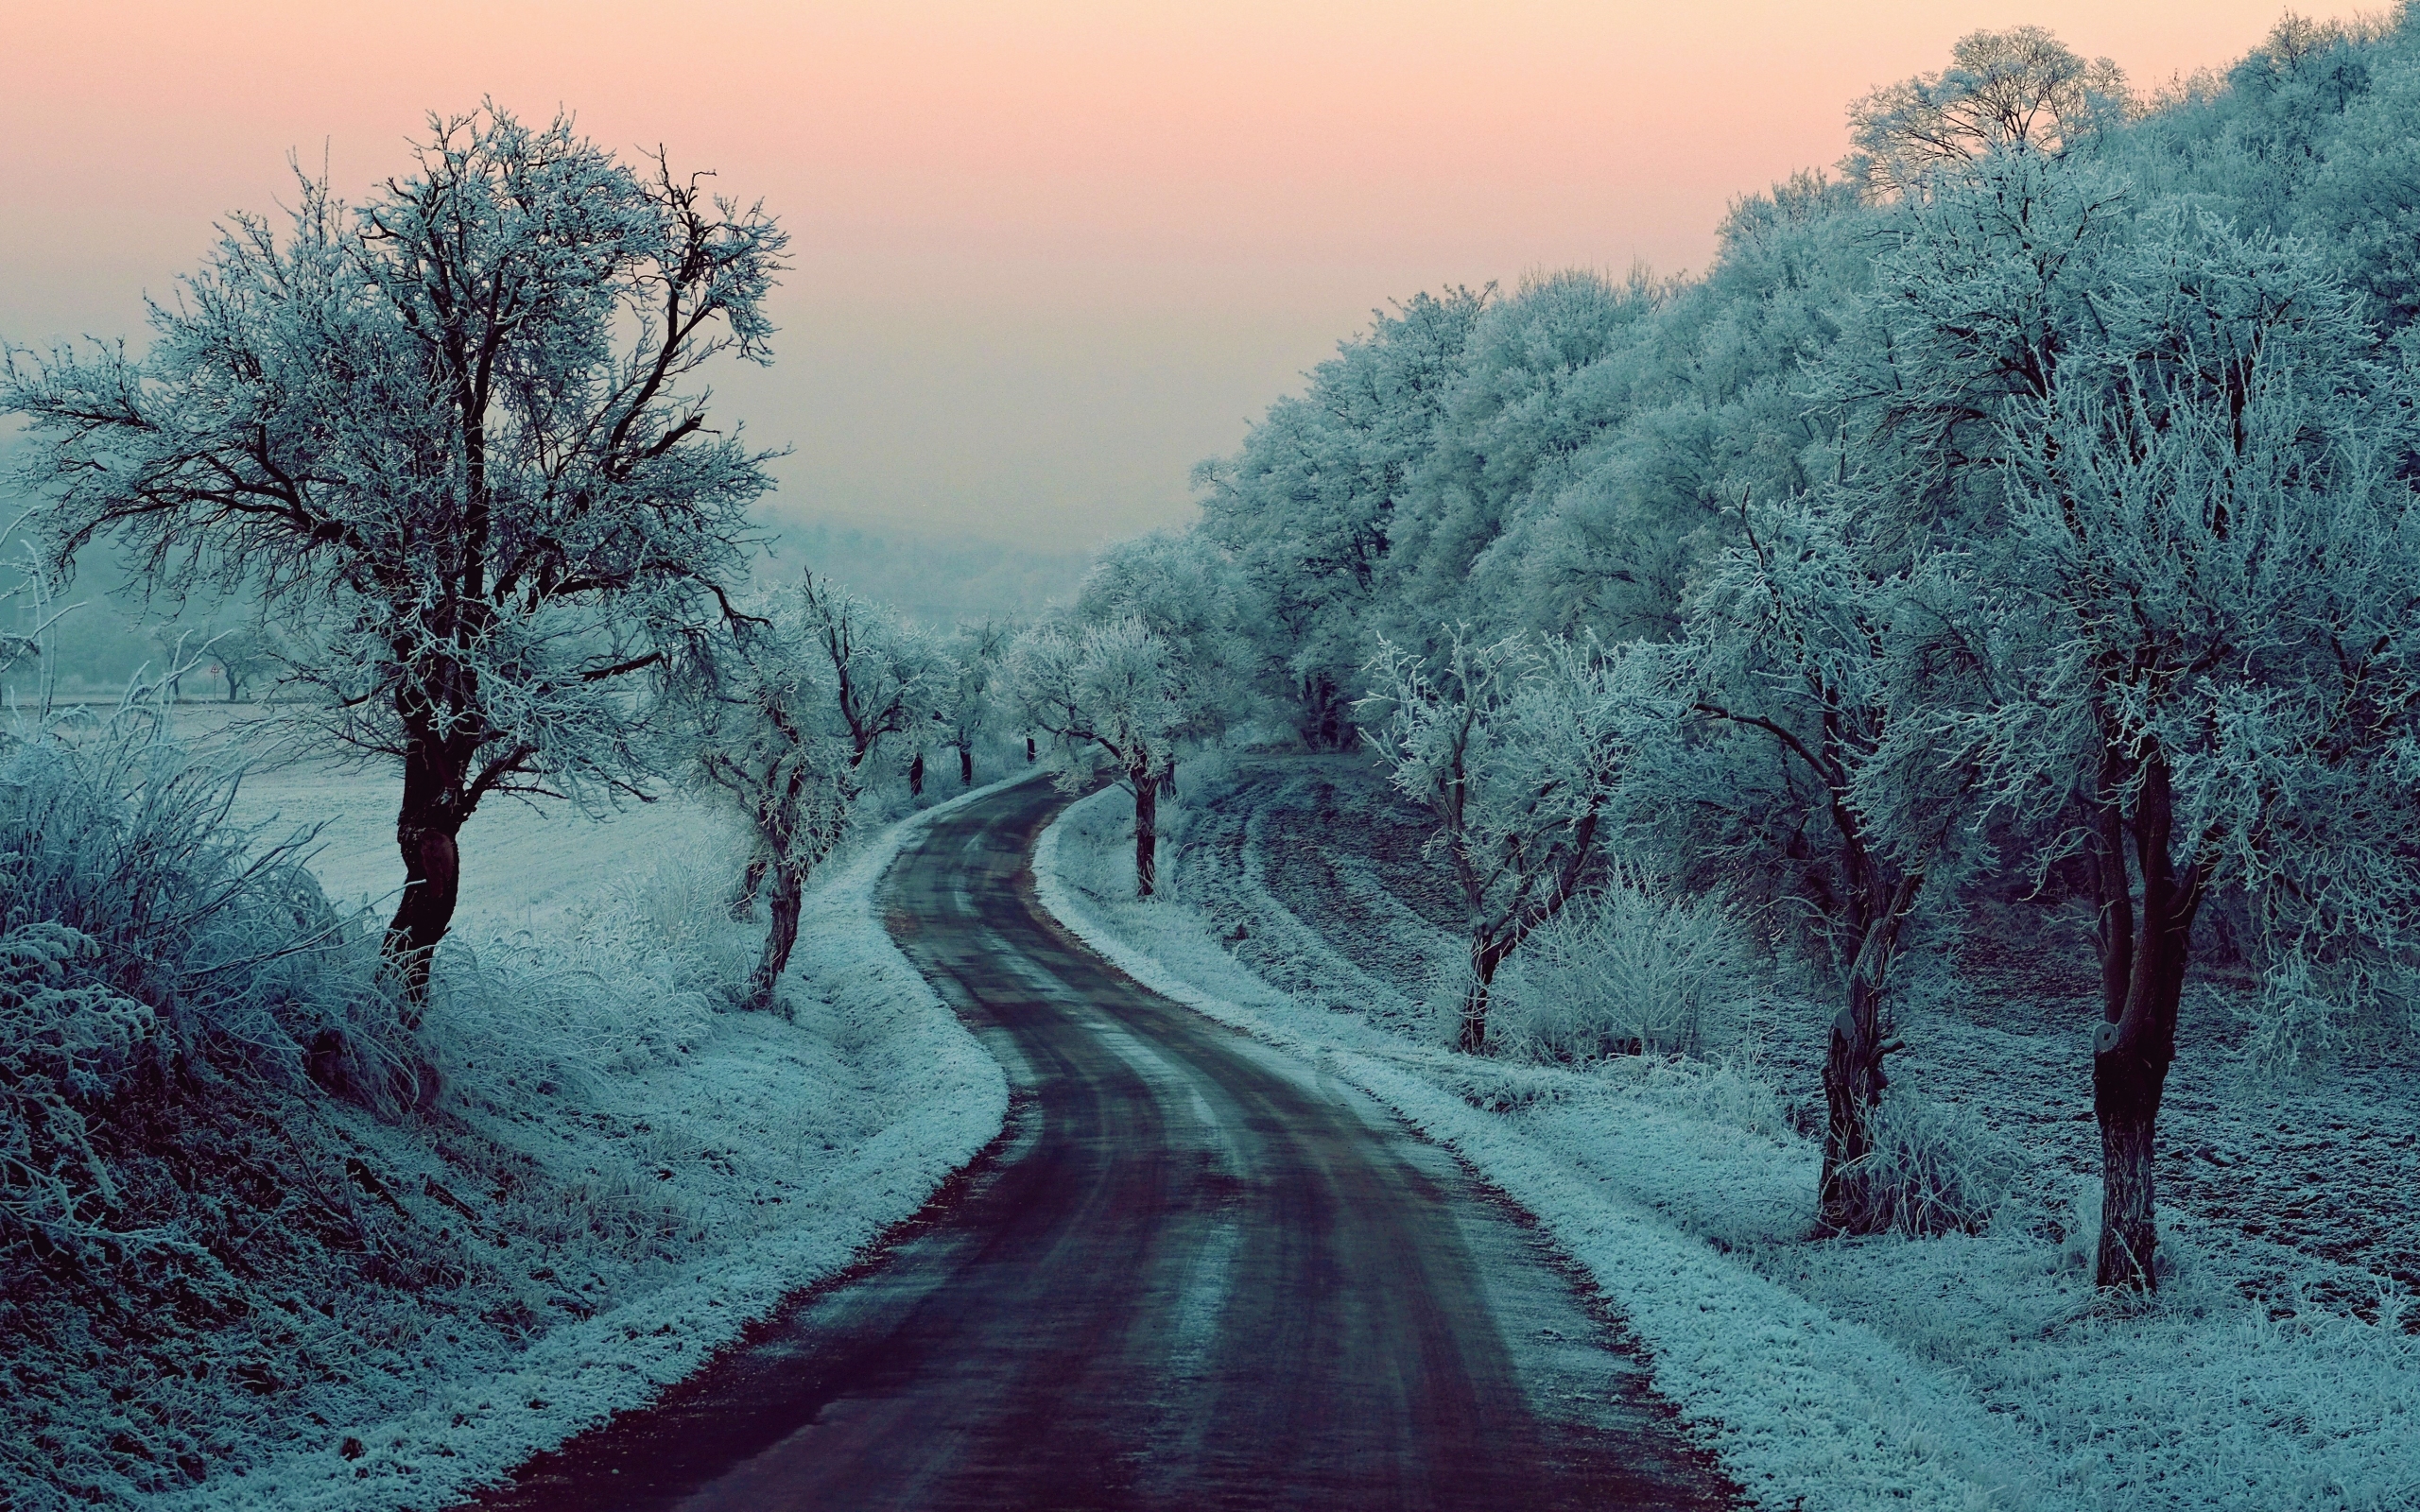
<point>1048,254</point>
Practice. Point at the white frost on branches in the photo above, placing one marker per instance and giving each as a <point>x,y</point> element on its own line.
<point>790,713</point>
<point>449,438</point>
<point>1517,748</point>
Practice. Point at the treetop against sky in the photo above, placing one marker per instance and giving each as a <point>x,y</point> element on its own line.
<point>1046,256</point>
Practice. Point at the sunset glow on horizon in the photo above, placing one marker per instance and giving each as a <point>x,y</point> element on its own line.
<point>1045,256</point>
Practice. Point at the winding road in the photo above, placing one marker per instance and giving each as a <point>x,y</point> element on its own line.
<point>1192,1273</point>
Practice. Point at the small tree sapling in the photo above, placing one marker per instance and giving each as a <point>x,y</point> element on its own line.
<point>1516,749</point>
<point>1112,697</point>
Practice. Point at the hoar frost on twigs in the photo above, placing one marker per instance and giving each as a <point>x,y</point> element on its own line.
<point>1112,697</point>
<point>1633,967</point>
<point>967,706</point>
<point>1515,748</point>
<point>2004,93</point>
<point>1787,670</point>
<point>2201,643</point>
<point>791,708</point>
<point>146,932</point>
<point>447,436</point>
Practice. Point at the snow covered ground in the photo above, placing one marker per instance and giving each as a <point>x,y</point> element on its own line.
<point>623,1173</point>
<point>2278,1367</point>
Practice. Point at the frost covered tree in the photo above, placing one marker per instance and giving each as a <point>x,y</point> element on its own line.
<point>1713,405</point>
<point>888,677</point>
<point>1310,506</point>
<point>1516,748</point>
<point>449,436</point>
<point>1787,660</point>
<point>1547,375</point>
<point>966,706</point>
<point>2200,652</point>
<point>885,679</point>
<point>772,737</point>
<point>1111,698</point>
<point>2015,92</point>
<point>1186,590</point>
<point>1981,293</point>
<point>244,654</point>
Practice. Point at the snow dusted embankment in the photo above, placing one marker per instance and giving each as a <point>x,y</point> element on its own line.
<point>1802,1410</point>
<point>784,1149</point>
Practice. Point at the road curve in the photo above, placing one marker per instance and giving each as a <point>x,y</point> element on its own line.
<point>1192,1273</point>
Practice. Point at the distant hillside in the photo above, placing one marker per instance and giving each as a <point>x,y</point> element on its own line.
<point>938,580</point>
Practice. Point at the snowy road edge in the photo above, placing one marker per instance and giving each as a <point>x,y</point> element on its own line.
<point>953,1100</point>
<point>1804,1411</point>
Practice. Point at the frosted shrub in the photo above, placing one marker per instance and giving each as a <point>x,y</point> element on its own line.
<point>1629,969</point>
<point>1445,986</point>
<point>65,1042</point>
<point>1933,1169</point>
<point>676,915</point>
<point>139,919</point>
<point>168,982</point>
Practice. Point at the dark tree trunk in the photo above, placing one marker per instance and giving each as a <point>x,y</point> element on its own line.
<point>1147,831</point>
<point>1493,941</point>
<point>1853,1083</point>
<point>916,775</point>
<point>426,831</point>
<point>966,766</point>
<point>1853,1074</point>
<point>1487,955</point>
<point>1028,750</point>
<point>788,891</point>
<point>752,880</point>
<point>1323,727</point>
<point>2128,1081</point>
<point>2142,978</point>
<point>2126,1101</point>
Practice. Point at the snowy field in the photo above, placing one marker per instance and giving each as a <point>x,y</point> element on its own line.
<point>622,1173</point>
<point>2278,1367</point>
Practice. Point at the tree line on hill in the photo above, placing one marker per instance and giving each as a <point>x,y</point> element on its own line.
<point>2026,510</point>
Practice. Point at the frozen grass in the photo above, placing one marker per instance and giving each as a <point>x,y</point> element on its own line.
<point>1967,1371</point>
<point>378,1308</point>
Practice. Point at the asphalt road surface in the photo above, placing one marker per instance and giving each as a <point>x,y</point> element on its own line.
<point>1193,1273</point>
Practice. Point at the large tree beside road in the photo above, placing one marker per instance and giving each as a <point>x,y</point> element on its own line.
<point>452,432</point>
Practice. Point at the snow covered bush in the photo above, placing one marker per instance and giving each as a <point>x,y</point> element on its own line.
<point>63,1042</point>
<point>1932,1168</point>
<point>125,878</point>
<point>677,913</point>
<point>1631,968</point>
<point>168,980</point>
